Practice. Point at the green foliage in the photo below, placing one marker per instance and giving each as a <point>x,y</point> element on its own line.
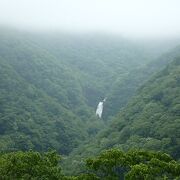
<point>83,177</point>
<point>27,114</point>
<point>149,121</point>
<point>123,89</point>
<point>112,164</point>
<point>42,105</point>
<point>30,165</point>
<point>135,164</point>
<point>50,86</point>
<point>97,60</point>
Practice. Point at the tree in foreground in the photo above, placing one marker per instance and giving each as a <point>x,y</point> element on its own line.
<point>109,165</point>
<point>135,164</point>
<point>30,165</point>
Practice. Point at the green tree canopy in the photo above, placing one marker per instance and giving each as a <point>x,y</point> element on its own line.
<point>135,164</point>
<point>30,165</point>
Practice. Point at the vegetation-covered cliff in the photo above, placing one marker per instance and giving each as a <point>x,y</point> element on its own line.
<point>149,121</point>
<point>50,86</point>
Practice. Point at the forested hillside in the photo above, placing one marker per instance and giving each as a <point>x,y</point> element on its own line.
<point>42,105</point>
<point>29,119</point>
<point>89,90</point>
<point>50,87</point>
<point>124,89</point>
<point>98,60</point>
<point>149,121</point>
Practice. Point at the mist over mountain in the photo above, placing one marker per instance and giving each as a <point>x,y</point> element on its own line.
<point>128,18</point>
<point>148,119</point>
<point>89,90</point>
<point>55,84</point>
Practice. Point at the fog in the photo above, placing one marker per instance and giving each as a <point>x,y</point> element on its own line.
<point>136,18</point>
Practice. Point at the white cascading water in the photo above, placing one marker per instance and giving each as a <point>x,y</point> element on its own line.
<point>99,109</point>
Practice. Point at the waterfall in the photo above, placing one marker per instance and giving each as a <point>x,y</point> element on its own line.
<point>99,109</point>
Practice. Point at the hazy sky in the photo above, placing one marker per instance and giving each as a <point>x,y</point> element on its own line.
<point>127,17</point>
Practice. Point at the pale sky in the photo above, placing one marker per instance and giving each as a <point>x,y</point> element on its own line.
<point>126,17</point>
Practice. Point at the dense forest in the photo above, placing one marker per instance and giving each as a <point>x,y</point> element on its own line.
<point>149,121</point>
<point>51,93</point>
<point>125,88</point>
<point>50,86</point>
<point>112,164</point>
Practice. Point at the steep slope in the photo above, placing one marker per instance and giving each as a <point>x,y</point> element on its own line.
<point>29,119</point>
<point>42,105</point>
<point>124,89</point>
<point>78,71</point>
<point>57,82</point>
<point>99,60</point>
<point>151,120</point>
<point>74,73</point>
